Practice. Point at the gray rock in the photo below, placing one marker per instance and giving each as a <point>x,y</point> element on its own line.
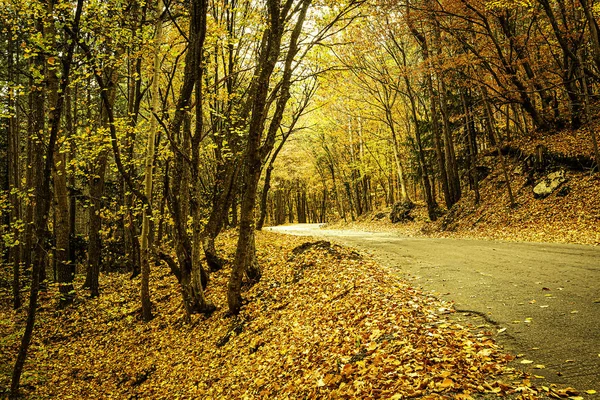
<point>549,184</point>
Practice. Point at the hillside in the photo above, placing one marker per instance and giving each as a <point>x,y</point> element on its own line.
<point>570,214</point>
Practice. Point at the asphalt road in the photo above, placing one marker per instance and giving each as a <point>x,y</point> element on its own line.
<point>547,296</point>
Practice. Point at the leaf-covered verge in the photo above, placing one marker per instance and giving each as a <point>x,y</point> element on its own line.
<point>568,216</point>
<point>324,322</point>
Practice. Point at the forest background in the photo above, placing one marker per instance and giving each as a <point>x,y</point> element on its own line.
<point>135,132</point>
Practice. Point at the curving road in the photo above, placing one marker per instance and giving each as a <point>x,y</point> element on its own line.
<point>547,296</point>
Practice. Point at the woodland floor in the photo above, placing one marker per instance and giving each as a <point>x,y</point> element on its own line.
<point>325,322</point>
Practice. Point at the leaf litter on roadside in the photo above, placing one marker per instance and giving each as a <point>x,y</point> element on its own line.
<point>324,322</point>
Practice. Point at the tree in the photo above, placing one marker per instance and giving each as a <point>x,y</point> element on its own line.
<point>44,157</point>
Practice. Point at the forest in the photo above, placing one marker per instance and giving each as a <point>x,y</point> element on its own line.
<point>145,145</point>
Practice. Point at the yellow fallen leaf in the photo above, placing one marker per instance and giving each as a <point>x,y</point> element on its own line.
<point>526,362</point>
<point>590,391</point>
<point>539,366</point>
<point>447,382</point>
<point>463,396</point>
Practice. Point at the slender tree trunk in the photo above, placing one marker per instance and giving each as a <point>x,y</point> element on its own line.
<point>234,209</point>
<point>61,229</point>
<point>451,164</point>
<point>70,123</point>
<point>267,185</point>
<point>135,95</point>
<point>96,186</point>
<point>472,146</point>
<point>27,248</point>
<point>245,247</point>
<point>429,195</point>
<point>396,148</point>
<point>148,172</point>
<point>14,179</point>
<point>61,195</point>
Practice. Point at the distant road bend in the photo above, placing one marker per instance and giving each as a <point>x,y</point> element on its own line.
<point>547,296</point>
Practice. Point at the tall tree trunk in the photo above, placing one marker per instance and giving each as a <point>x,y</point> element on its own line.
<point>70,124</point>
<point>451,164</point>
<point>61,195</point>
<point>96,188</point>
<point>472,146</point>
<point>14,179</point>
<point>61,229</point>
<point>256,154</point>
<point>41,181</point>
<point>27,248</point>
<point>148,171</point>
<point>396,148</point>
<point>267,185</point>
<point>134,98</point>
